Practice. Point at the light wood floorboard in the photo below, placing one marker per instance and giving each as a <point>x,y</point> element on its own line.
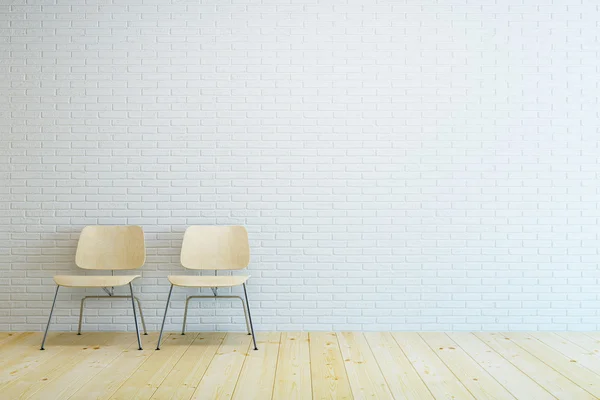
<point>184,378</point>
<point>366,379</point>
<point>149,376</point>
<point>437,376</point>
<point>513,379</point>
<point>576,352</point>
<point>108,381</point>
<point>301,365</point>
<point>23,355</point>
<point>257,377</point>
<point>328,374</point>
<point>566,366</point>
<point>582,340</point>
<point>224,370</point>
<point>6,337</point>
<point>400,375</point>
<point>472,375</point>
<point>76,374</point>
<point>528,363</point>
<point>292,377</point>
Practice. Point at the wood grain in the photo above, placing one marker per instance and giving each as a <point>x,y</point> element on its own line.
<point>301,365</point>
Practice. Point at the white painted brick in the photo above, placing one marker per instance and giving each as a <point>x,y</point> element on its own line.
<point>417,167</point>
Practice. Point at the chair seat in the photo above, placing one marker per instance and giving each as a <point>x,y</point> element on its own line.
<point>207,281</point>
<point>93,281</point>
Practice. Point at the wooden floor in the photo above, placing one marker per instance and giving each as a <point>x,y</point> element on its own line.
<point>379,365</point>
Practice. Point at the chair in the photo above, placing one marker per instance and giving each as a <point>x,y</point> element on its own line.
<point>106,248</point>
<point>213,248</point>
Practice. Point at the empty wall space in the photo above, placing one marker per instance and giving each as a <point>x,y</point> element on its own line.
<point>399,165</point>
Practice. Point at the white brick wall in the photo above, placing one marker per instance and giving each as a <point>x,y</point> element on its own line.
<point>403,165</point>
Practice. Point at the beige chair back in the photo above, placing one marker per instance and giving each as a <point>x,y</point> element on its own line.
<point>215,247</point>
<point>111,247</point>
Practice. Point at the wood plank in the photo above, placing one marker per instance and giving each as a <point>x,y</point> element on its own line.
<point>438,378</point>
<point>583,340</point>
<point>544,375</point>
<point>4,335</point>
<point>147,378</point>
<point>31,357</point>
<point>569,368</point>
<point>303,366</point>
<point>38,378</point>
<point>7,337</point>
<point>23,345</point>
<point>593,335</point>
<point>513,379</point>
<point>328,373</point>
<point>258,373</point>
<point>581,355</point>
<point>108,381</point>
<point>292,380</point>
<point>223,372</point>
<point>366,379</point>
<point>401,377</point>
<point>184,378</point>
<point>75,374</point>
<point>481,384</point>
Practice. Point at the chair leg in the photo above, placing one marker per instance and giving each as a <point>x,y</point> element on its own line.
<point>187,302</point>
<point>137,329</point>
<point>108,297</point>
<point>50,317</point>
<point>142,316</point>
<point>164,318</point>
<point>246,317</point>
<point>80,316</point>
<point>250,317</point>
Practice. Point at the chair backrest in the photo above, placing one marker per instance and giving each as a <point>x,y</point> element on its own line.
<point>215,247</point>
<point>111,247</point>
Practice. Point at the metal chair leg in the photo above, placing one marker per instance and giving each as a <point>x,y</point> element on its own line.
<point>50,318</point>
<point>187,302</point>
<point>141,316</point>
<point>109,297</point>
<point>164,318</point>
<point>137,329</point>
<point>246,317</point>
<point>250,317</point>
<point>80,315</point>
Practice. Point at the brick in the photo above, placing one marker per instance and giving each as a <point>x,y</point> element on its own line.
<point>416,167</point>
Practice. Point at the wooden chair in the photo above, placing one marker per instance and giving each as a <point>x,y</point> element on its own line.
<point>213,248</point>
<point>106,248</point>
